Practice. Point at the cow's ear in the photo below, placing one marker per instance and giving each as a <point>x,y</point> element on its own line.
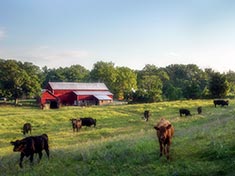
<point>169,126</point>
<point>156,128</point>
<point>12,143</point>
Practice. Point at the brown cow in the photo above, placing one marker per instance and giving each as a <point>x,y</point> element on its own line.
<point>76,124</point>
<point>165,131</point>
<point>30,145</point>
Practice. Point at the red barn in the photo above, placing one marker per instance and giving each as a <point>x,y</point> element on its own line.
<point>80,94</point>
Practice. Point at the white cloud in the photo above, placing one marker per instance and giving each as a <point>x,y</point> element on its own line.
<point>54,58</point>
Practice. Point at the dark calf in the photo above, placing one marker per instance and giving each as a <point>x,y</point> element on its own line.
<point>76,124</point>
<point>146,115</point>
<point>88,121</point>
<point>221,102</point>
<point>27,128</point>
<point>199,110</point>
<point>30,145</point>
<point>186,112</point>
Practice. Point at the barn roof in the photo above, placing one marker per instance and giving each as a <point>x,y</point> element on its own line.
<point>92,93</point>
<point>77,86</point>
<point>102,97</point>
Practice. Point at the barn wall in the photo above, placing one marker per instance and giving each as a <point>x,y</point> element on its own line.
<point>46,96</point>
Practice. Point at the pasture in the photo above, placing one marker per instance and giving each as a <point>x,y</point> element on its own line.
<point>122,143</point>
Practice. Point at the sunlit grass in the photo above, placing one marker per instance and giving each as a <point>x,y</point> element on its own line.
<point>122,143</point>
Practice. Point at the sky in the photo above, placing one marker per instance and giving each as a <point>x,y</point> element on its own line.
<point>130,33</point>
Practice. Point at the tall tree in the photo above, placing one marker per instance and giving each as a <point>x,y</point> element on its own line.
<point>150,83</point>
<point>218,86</point>
<point>104,72</point>
<point>230,76</point>
<point>16,82</point>
<point>125,81</point>
<point>188,80</point>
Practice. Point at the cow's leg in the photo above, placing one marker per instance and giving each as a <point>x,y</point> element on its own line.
<point>164,149</point>
<point>47,150</point>
<point>31,158</point>
<point>161,148</point>
<point>40,156</point>
<point>168,152</point>
<point>21,159</point>
<point>48,153</point>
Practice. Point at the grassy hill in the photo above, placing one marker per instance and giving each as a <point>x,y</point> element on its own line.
<point>123,143</point>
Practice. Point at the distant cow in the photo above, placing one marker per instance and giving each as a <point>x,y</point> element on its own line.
<point>27,128</point>
<point>146,115</point>
<point>186,112</point>
<point>221,102</point>
<point>30,145</point>
<point>76,124</point>
<point>88,121</point>
<point>165,132</point>
<point>199,110</point>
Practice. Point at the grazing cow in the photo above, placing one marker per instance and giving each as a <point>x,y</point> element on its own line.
<point>76,124</point>
<point>88,121</point>
<point>186,112</point>
<point>165,132</point>
<point>30,145</point>
<point>199,110</point>
<point>221,102</point>
<point>146,115</point>
<point>27,128</point>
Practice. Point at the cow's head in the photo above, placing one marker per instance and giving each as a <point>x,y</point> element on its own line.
<point>19,145</point>
<point>162,132</point>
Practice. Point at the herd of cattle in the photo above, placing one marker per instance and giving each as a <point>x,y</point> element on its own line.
<point>31,145</point>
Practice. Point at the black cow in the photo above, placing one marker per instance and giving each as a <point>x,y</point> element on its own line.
<point>76,124</point>
<point>146,115</point>
<point>221,102</point>
<point>30,145</point>
<point>88,121</point>
<point>186,112</point>
<point>27,128</point>
<point>199,110</point>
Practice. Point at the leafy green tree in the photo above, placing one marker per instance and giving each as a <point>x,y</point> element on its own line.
<point>230,76</point>
<point>218,85</point>
<point>126,81</point>
<point>76,73</point>
<point>189,80</point>
<point>18,80</point>
<point>150,83</point>
<point>171,92</point>
<point>104,72</point>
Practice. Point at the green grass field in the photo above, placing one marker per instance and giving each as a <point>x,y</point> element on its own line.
<point>123,143</point>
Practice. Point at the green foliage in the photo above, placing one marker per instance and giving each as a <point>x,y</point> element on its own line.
<point>18,80</point>
<point>74,73</point>
<point>125,81</point>
<point>123,143</point>
<point>104,72</point>
<point>218,85</point>
<point>151,84</point>
<point>186,81</point>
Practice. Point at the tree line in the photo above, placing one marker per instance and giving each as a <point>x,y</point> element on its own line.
<point>151,84</point>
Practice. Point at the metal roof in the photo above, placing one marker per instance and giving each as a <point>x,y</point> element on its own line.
<point>102,97</point>
<point>77,86</point>
<point>92,93</point>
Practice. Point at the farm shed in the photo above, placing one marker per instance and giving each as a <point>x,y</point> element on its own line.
<point>79,94</point>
